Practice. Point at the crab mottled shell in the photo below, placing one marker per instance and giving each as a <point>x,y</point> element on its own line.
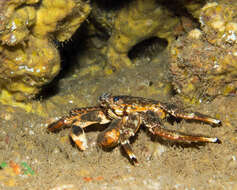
<point>125,114</point>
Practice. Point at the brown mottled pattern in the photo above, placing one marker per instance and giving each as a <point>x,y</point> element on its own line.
<point>77,111</point>
<point>138,104</point>
<point>125,115</point>
<point>84,115</point>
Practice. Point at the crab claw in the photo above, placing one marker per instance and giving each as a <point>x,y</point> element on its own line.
<point>79,137</point>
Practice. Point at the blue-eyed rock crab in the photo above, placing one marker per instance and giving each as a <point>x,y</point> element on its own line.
<point>126,114</point>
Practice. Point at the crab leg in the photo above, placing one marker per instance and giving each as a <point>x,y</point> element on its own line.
<point>131,124</point>
<point>127,148</point>
<point>154,126</point>
<point>52,127</point>
<point>80,118</point>
<point>111,137</point>
<point>176,112</point>
<point>119,131</point>
<point>171,135</point>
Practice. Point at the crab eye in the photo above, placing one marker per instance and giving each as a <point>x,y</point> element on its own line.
<point>116,99</point>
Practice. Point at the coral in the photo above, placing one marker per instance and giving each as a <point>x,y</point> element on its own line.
<point>16,23</point>
<point>49,14</point>
<point>61,17</point>
<point>203,62</point>
<point>219,22</point>
<point>72,22</point>
<point>29,59</point>
<point>102,18</point>
<point>194,6</point>
<point>138,21</point>
<point>24,70</point>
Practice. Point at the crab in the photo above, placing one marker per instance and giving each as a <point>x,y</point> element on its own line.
<point>125,115</point>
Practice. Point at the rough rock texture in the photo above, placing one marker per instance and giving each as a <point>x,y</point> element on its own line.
<point>29,59</point>
<point>203,62</point>
<point>60,18</point>
<point>24,70</point>
<point>138,21</point>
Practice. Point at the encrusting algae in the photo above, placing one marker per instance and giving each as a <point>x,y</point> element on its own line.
<point>29,58</point>
<point>139,21</point>
<point>203,62</point>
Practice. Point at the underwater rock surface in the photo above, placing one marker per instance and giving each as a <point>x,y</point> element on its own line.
<point>203,62</point>
<point>29,58</point>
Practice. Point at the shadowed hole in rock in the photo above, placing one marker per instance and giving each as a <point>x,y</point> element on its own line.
<point>148,48</point>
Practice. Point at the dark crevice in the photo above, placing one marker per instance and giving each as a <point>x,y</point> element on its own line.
<point>69,50</point>
<point>68,55</point>
<point>109,5</point>
<point>178,8</point>
<point>148,48</point>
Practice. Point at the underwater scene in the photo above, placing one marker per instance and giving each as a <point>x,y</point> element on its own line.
<point>130,94</point>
